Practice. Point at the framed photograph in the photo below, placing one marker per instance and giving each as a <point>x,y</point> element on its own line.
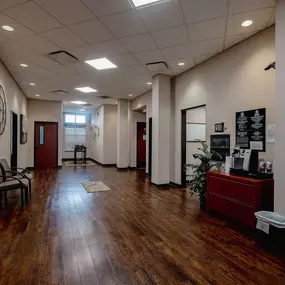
<point>23,129</point>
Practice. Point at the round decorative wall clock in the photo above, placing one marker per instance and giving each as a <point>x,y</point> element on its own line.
<point>3,111</point>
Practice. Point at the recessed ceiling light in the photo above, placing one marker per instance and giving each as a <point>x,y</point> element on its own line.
<point>139,3</point>
<point>24,65</point>
<point>181,63</point>
<point>101,63</point>
<point>37,95</point>
<point>8,28</point>
<point>130,95</point>
<point>78,102</point>
<point>86,89</point>
<point>32,84</point>
<point>247,23</point>
<point>149,83</point>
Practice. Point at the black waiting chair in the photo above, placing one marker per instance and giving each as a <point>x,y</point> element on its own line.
<point>16,172</point>
<point>8,183</point>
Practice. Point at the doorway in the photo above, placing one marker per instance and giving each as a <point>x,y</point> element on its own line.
<point>150,147</point>
<point>46,145</point>
<point>141,144</point>
<point>193,127</point>
<point>14,140</point>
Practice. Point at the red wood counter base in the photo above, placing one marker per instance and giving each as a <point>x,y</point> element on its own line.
<point>237,197</point>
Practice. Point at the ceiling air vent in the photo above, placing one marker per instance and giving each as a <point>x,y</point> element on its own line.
<point>63,57</point>
<point>60,92</point>
<point>104,97</point>
<point>157,67</point>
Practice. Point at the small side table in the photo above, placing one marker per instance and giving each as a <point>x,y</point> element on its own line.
<point>83,151</point>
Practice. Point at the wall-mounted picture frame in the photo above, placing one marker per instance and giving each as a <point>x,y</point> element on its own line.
<point>23,129</point>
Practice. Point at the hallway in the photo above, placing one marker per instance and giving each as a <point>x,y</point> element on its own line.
<point>134,234</point>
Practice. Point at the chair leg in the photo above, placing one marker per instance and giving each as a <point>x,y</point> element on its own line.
<point>26,195</point>
<point>30,188</point>
<point>22,198</point>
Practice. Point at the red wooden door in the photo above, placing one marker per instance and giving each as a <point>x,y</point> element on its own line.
<point>46,145</point>
<point>141,144</point>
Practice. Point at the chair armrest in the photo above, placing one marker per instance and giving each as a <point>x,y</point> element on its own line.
<point>9,178</point>
<point>15,173</point>
<point>23,169</point>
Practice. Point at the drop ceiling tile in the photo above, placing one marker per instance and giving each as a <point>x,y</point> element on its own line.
<point>106,7</point>
<point>208,47</point>
<point>195,11</point>
<point>161,16</point>
<point>38,44</point>
<point>92,31</point>
<point>260,19</point>
<point>230,41</point>
<point>110,47</point>
<point>18,51</point>
<point>240,6</point>
<point>124,60</point>
<point>19,30</point>
<point>200,58</point>
<point>136,69</point>
<point>4,4</point>
<point>84,52</point>
<point>43,61</point>
<point>63,37</point>
<point>33,17</point>
<point>77,11</point>
<point>170,37</point>
<point>207,30</point>
<point>61,70</point>
<point>3,39</point>
<point>189,63</point>
<point>149,56</point>
<point>177,52</point>
<point>139,43</point>
<point>124,24</point>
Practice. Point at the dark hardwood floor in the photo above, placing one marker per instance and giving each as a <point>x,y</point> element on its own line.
<point>134,234</point>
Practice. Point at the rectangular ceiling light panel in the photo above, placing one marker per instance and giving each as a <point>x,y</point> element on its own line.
<point>86,89</point>
<point>101,63</point>
<point>139,3</point>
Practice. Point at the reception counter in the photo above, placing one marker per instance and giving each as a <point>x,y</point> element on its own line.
<point>238,198</point>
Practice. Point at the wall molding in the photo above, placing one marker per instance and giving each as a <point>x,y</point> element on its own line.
<point>175,185</point>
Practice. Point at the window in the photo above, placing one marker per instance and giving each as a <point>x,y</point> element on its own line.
<point>70,119</point>
<point>80,119</point>
<point>42,135</point>
<point>75,119</point>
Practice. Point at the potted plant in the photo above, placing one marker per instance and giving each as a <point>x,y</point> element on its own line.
<point>198,177</point>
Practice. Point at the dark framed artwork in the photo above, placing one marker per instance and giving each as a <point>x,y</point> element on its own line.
<point>23,129</point>
<point>221,144</point>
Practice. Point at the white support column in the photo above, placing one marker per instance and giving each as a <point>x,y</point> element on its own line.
<point>123,141</point>
<point>161,130</point>
<point>279,162</point>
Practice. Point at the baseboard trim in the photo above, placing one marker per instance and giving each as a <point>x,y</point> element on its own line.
<point>132,168</point>
<point>67,159</point>
<point>175,185</point>
<point>122,168</point>
<point>104,165</point>
<point>161,186</point>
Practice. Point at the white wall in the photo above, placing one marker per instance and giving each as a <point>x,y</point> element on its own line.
<point>96,144</point>
<point>279,191</point>
<point>232,81</point>
<point>145,100</point>
<point>16,102</point>
<point>44,111</point>
<point>104,147</point>
<point>110,134</point>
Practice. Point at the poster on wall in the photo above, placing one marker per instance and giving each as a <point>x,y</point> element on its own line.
<point>250,129</point>
<point>23,129</point>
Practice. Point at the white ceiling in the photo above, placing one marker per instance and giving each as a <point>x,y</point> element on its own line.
<point>174,31</point>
